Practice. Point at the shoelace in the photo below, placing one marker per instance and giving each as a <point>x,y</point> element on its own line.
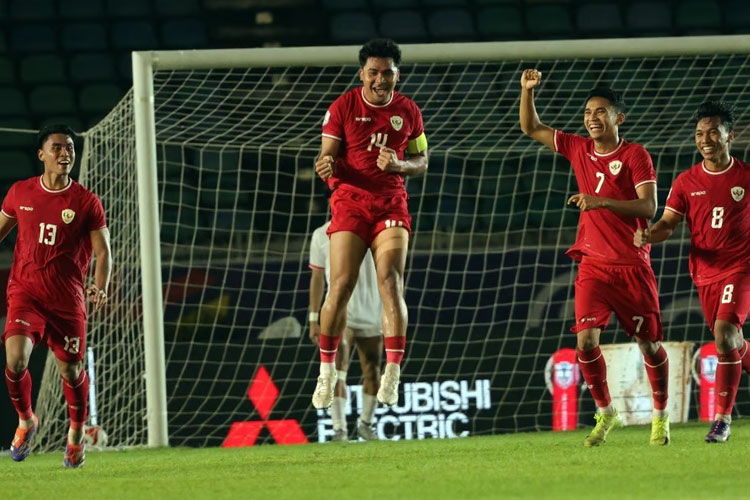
<point>717,428</point>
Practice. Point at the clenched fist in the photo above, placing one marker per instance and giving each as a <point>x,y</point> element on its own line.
<point>641,237</point>
<point>388,161</point>
<point>530,79</point>
<point>324,167</point>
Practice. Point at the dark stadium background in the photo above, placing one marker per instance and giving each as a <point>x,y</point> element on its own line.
<point>69,60</point>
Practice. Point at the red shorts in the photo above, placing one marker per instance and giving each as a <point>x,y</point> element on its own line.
<point>65,333</point>
<point>628,291</point>
<point>365,214</point>
<point>727,300</point>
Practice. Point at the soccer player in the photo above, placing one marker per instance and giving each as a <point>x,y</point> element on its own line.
<point>59,223</point>
<point>617,195</point>
<point>712,196</point>
<point>373,137</point>
<point>363,327</point>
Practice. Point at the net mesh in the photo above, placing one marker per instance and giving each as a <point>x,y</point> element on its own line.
<point>488,288</point>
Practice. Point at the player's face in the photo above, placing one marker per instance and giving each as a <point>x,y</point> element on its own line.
<point>58,154</point>
<point>601,118</point>
<point>379,76</point>
<point>712,138</point>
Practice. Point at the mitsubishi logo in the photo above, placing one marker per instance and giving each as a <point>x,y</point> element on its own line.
<point>263,393</point>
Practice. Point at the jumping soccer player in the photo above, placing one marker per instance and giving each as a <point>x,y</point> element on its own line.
<point>363,327</point>
<point>617,185</point>
<point>366,133</point>
<point>59,223</point>
<point>712,196</point>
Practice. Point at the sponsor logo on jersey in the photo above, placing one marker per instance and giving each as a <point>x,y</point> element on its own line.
<point>26,209</point>
<point>592,157</point>
<point>615,166</point>
<point>68,215</point>
<point>362,119</point>
<point>697,193</point>
<point>738,193</point>
<point>24,323</point>
<point>326,118</point>
<point>397,122</point>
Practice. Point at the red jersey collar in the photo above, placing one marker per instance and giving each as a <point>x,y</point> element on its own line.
<point>54,191</point>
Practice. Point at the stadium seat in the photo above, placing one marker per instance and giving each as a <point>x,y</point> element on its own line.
<point>344,4</point>
<point>500,23</point>
<point>173,8</point>
<point>184,34</point>
<point>704,14</point>
<point>33,38</point>
<point>81,9</point>
<point>549,20</point>
<point>132,8</point>
<point>17,165</point>
<point>32,10</point>
<point>14,103</point>
<point>47,99</point>
<point>16,140</point>
<point>7,71</point>
<point>403,25</point>
<point>498,2</point>
<point>603,19</point>
<point>100,97</point>
<point>45,68</point>
<point>396,4</point>
<point>134,35</point>
<point>84,36</point>
<point>71,121</point>
<point>444,3</point>
<point>451,25</point>
<point>93,67</point>
<point>737,15</point>
<point>649,18</point>
<point>354,27</point>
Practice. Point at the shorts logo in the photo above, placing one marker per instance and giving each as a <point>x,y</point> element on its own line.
<point>68,215</point>
<point>24,323</point>
<point>394,223</point>
<point>615,166</point>
<point>326,118</point>
<point>738,193</point>
<point>588,319</point>
<point>397,122</point>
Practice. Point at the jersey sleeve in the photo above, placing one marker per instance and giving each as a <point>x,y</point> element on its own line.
<point>9,203</point>
<point>417,140</point>
<point>333,121</point>
<point>317,255</point>
<point>566,144</point>
<point>96,219</point>
<point>676,199</point>
<point>642,168</point>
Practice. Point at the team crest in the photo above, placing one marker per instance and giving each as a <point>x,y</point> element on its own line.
<point>397,122</point>
<point>615,166</point>
<point>738,193</point>
<point>565,374</point>
<point>68,215</point>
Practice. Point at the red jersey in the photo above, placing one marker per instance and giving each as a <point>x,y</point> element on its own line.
<point>364,128</point>
<point>53,247</point>
<point>602,234</point>
<point>716,207</point>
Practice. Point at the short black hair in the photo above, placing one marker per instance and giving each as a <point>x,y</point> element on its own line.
<point>53,128</point>
<point>380,47</point>
<point>708,109</point>
<point>614,97</point>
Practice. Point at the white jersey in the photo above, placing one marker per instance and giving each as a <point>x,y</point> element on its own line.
<point>363,311</point>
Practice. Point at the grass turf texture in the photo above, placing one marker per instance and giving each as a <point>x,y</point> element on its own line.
<point>528,465</point>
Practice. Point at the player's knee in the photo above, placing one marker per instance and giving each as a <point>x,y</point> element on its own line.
<point>341,289</point>
<point>647,347</point>
<point>587,343</point>
<point>727,336</point>
<point>16,364</point>
<point>71,371</point>
<point>391,285</point>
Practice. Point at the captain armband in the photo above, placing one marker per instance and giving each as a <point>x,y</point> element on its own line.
<point>416,146</point>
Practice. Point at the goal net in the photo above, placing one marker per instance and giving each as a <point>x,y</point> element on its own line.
<point>488,287</point>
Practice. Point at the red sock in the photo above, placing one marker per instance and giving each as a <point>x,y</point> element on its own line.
<point>328,347</point>
<point>76,395</point>
<point>594,371</point>
<point>657,369</point>
<point>394,349</point>
<point>745,356</point>
<point>19,388</point>
<point>728,373</point>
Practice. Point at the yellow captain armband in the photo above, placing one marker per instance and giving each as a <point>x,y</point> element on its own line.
<point>416,146</point>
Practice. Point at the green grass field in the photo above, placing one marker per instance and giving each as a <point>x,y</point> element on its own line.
<point>529,465</point>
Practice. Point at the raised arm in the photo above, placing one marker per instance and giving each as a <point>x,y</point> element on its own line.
<point>329,150</point>
<point>97,291</point>
<point>660,231</point>
<point>643,207</point>
<point>6,225</point>
<point>530,122</point>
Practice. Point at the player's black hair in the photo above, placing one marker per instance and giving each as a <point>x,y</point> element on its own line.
<point>380,47</point>
<point>53,128</point>
<point>708,109</point>
<point>614,97</point>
